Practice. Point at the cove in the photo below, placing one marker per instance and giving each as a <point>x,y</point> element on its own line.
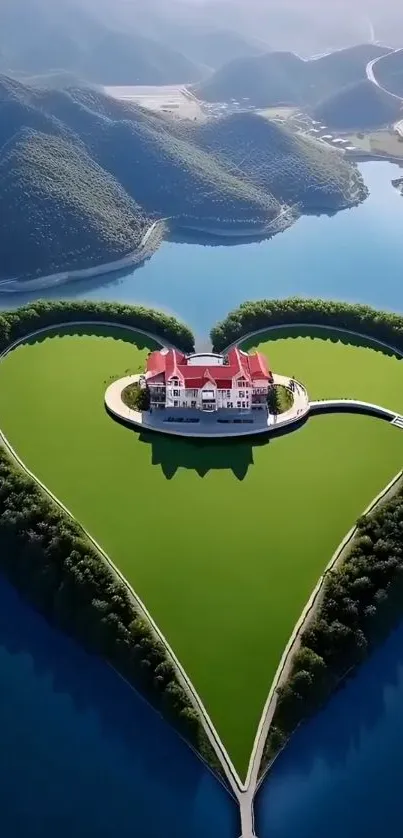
<point>355,255</point>
<point>341,774</point>
<point>82,755</point>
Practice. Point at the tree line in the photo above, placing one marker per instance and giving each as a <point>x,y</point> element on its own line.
<point>252,316</point>
<point>55,567</point>
<point>362,601</point>
<point>41,313</point>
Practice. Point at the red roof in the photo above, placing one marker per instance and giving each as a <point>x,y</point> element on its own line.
<point>238,365</point>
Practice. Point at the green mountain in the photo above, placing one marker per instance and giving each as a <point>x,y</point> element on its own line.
<point>284,78</point>
<point>82,176</point>
<point>359,106</point>
<point>298,170</point>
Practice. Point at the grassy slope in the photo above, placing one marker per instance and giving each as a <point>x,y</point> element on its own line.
<point>223,542</point>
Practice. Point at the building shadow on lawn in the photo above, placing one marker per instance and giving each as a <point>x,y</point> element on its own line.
<point>204,455</point>
<point>200,455</point>
<point>315,332</point>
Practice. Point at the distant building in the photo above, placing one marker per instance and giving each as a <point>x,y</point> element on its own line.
<point>236,381</point>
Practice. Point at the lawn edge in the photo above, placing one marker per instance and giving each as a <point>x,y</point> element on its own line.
<point>229,769</point>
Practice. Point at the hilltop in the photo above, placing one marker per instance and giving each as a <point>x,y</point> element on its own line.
<point>83,176</point>
<point>359,106</point>
<point>284,78</point>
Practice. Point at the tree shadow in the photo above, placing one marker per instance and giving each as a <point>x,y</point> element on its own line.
<point>94,330</point>
<point>183,235</point>
<point>323,333</point>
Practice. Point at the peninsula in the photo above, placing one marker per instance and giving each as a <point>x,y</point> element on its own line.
<point>84,177</point>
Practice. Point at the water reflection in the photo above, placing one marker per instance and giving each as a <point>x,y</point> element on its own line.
<point>81,755</point>
<point>342,773</point>
<point>355,255</point>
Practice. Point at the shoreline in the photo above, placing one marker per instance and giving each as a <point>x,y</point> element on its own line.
<point>151,241</point>
<point>148,245</point>
<point>309,612</point>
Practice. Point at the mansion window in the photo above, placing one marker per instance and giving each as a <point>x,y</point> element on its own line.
<point>176,393</point>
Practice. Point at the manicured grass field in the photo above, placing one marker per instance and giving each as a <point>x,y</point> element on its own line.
<point>334,365</point>
<point>224,542</point>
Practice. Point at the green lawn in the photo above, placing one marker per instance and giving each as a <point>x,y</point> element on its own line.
<point>332,365</point>
<point>224,542</point>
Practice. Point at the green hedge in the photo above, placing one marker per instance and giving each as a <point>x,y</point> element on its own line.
<point>362,601</point>
<point>28,318</point>
<point>252,316</point>
<point>56,568</point>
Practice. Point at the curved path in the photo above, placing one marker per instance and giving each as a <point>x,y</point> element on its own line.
<point>146,247</point>
<point>208,428</point>
<point>372,78</point>
<point>215,741</point>
<point>243,792</point>
<point>314,406</point>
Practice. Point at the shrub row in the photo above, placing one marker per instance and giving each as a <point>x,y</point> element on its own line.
<point>56,569</point>
<point>362,601</point>
<point>251,316</point>
<point>41,313</point>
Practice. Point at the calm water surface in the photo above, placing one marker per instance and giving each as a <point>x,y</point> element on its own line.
<point>81,755</point>
<point>342,775</point>
<point>355,255</point>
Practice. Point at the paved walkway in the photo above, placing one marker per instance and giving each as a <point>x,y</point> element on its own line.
<point>207,424</point>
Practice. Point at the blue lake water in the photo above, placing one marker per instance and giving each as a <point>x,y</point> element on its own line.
<point>355,255</point>
<point>341,776</point>
<point>82,755</point>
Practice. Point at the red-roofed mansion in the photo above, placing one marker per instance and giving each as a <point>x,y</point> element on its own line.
<point>208,382</point>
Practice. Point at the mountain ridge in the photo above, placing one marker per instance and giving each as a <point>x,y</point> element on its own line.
<point>239,174</point>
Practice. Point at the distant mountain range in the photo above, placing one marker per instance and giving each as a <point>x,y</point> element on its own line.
<point>283,78</point>
<point>82,176</point>
<point>104,45</point>
<point>37,37</point>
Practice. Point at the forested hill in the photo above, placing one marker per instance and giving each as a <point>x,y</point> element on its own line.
<point>284,78</point>
<point>358,106</point>
<point>298,170</point>
<point>82,176</point>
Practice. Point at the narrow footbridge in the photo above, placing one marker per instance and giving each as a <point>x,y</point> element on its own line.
<point>356,406</point>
